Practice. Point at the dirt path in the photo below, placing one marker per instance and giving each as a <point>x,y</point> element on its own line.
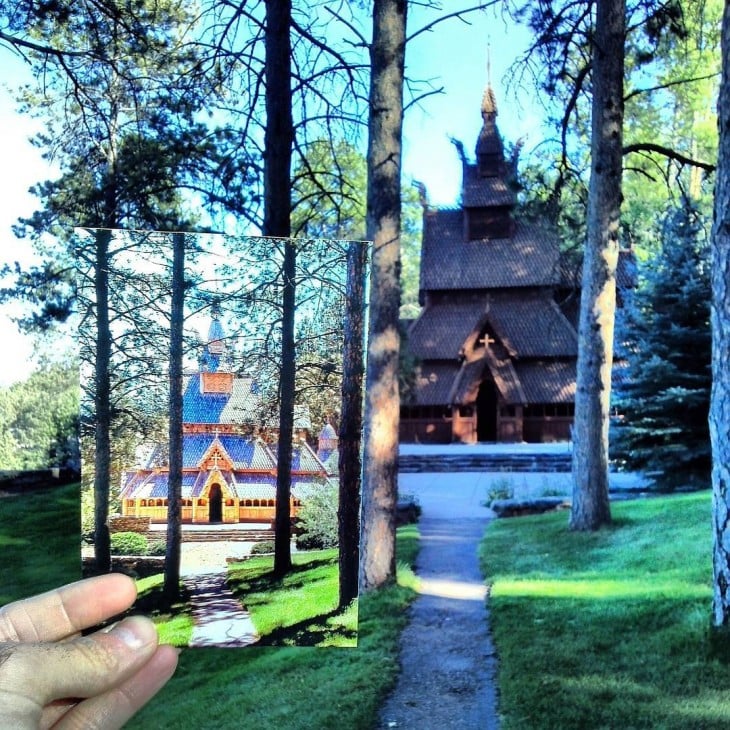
<point>447,656</point>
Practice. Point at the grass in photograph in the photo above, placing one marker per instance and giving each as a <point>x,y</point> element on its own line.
<point>39,540</point>
<point>174,623</point>
<point>299,609</point>
<point>607,629</point>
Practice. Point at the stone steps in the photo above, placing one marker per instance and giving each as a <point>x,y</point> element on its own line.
<point>219,535</point>
<point>507,462</point>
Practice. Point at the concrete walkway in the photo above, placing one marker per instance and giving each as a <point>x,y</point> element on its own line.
<point>220,620</point>
<point>447,657</point>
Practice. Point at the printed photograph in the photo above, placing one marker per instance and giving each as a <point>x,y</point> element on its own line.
<point>213,373</point>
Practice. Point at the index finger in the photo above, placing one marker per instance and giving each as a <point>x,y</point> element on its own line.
<point>65,611</point>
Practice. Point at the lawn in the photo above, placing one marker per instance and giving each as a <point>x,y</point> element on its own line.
<point>293,688</point>
<point>301,608</point>
<point>270,688</point>
<point>39,541</point>
<point>608,629</point>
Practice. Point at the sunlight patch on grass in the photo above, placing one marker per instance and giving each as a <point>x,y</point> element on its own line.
<point>299,609</point>
<point>599,589</point>
<point>608,629</point>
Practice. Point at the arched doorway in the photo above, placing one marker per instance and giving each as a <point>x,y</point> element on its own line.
<point>215,504</point>
<point>487,411</point>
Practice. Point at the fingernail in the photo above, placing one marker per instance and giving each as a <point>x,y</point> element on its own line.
<point>135,631</point>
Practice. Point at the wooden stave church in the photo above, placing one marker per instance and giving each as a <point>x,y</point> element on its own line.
<point>229,461</point>
<point>496,343</point>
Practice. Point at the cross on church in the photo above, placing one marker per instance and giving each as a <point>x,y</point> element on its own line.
<point>486,341</point>
<point>216,456</point>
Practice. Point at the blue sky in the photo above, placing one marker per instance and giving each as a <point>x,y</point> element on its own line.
<point>452,56</point>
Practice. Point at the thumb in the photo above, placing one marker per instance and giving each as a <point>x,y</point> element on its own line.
<point>83,667</point>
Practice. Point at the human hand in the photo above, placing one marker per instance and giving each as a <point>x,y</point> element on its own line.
<point>52,677</point>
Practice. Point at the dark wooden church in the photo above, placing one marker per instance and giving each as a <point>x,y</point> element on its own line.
<point>496,343</point>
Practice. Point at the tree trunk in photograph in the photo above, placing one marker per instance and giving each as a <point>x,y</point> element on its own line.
<point>278,142</point>
<point>174,484</point>
<point>380,486</point>
<point>720,399</point>
<point>591,508</point>
<point>102,405</point>
<point>350,462</point>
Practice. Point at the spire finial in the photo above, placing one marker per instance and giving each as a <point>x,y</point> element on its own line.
<point>489,60</point>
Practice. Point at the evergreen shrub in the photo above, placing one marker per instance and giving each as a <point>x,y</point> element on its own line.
<point>157,547</point>
<point>263,547</point>
<point>128,543</point>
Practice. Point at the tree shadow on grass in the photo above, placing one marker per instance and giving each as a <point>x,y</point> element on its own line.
<point>152,600</point>
<point>310,632</point>
<point>266,580</point>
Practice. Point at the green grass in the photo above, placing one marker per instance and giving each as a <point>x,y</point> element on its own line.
<point>607,629</point>
<point>292,688</point>
<point>39,541</point>
<point>270,688</point>
<point>301,608</point>
<point>174,623</point>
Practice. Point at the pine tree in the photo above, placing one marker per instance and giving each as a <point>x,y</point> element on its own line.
<point>662,427</point>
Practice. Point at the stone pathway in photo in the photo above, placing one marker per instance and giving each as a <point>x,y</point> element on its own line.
<point>448,660</point>
<point>220,620</point>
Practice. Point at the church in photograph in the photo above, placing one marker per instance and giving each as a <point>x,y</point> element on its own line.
<point>495,346</point>
<point>229,460</point>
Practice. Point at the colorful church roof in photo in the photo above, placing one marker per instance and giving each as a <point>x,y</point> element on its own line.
<point>222,440</point>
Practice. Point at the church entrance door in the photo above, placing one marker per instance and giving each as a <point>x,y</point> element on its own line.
<point>215,504</point>
<point>487,411</point>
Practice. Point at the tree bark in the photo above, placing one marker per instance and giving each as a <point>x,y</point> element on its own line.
<point>102,405</point>
<point>278,142</point>
<point>350,462</point>
<point>720,398</point>
<point>591,508</point>
<point>385,126</point>
<point>174,484</point>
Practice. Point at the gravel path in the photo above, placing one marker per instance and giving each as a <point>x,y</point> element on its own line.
<point>447,656</point>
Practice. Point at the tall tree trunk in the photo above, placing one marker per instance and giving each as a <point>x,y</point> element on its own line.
<point>174,484</point>
<point>102,404</point>
<point>350,463</point>
<point>720,399</point>
<point>591,507</point>
<point>380,488</point>
<point>278,142</point>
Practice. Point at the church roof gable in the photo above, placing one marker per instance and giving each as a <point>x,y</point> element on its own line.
<point>442,328</point>
<point>531,325</point>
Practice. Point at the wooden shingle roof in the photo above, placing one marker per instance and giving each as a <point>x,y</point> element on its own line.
<point>434,382</point>
<point>448,262</point>
<point>442,328</point>
<point>548,382</point>
<point>485,191</point>
<point>531,325</point>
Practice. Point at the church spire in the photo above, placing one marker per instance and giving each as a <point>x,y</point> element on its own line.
<point>215,344</point>
<point>489,147</point>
